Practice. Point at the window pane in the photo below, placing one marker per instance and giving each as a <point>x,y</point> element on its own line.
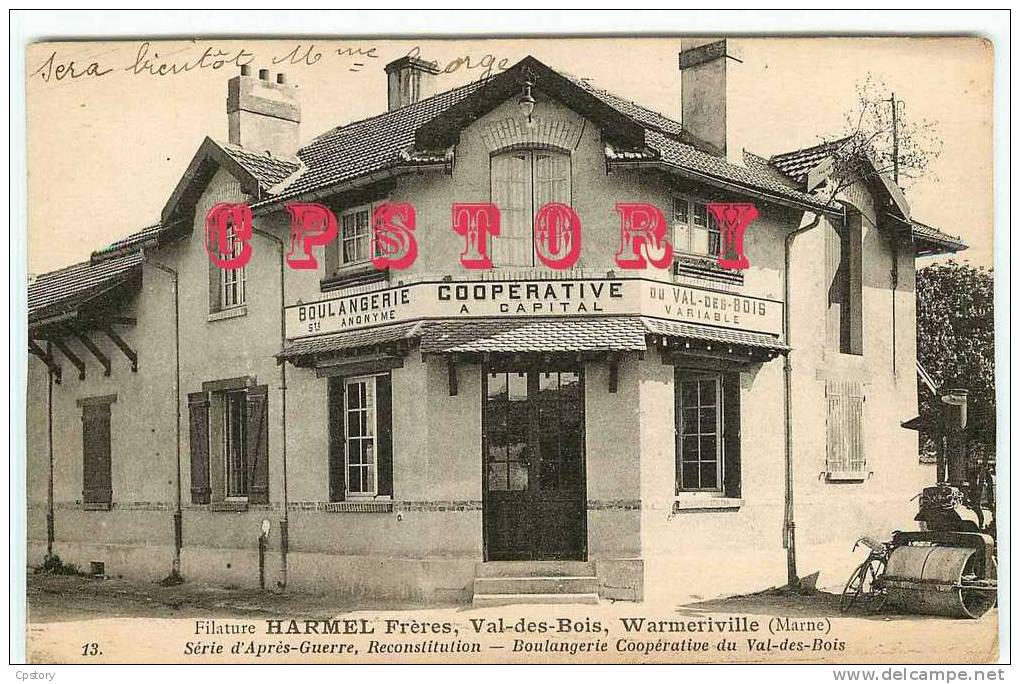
<point>689,424</point>
<point>688,393</point>
<point>518,477</point>
<point>518,383</point>
<point>708,421</point>
<point>679,210</point>
<point>709,476</point>
<point>699,241</point>
<point>354,482</point>
<point>497,477</point>
<point>700,214</point>
<point>497,386</point>
<point>689,476</point>
<point>708,447</point>
<point>707,392</point>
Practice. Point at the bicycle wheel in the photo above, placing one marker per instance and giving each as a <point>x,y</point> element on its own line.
<point>872,594</point>
<point>854,586</point>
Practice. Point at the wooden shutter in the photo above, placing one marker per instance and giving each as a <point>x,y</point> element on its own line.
<point>731,435</point>
<point>384,434</point>
<point>844,429</point>
<point>198,419</point>
<point>337,475</point>
<point>96,475</point>
<point>258,444</point>
<point>331,256</point>
<point>511,192</point>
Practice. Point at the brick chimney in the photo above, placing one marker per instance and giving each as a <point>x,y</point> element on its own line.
<point>408,80</point>
<point>263,115</point>
<point>703,91</point>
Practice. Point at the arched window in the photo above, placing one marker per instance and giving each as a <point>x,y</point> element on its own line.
<point>522,182</point>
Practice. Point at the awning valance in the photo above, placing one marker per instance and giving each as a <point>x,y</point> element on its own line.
<point>301,351</point>
<point>725,338</point>
<point>603,335</point>
<point>535,335</point>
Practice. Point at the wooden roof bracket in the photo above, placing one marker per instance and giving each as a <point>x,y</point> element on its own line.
<point>614,373</point>
<point>123,346</point>
<point>51,364</point>
<point>72,357</point>
<point>102,358</point>
<point>451,374</point>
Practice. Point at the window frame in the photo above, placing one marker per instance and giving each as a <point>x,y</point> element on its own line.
<point>239,399</point>
<point>373,409</point>
<point>341,240</point>
<point>530,151</point>
<point>711,227</point>
<point>720,438</point>
<point>233,277</point>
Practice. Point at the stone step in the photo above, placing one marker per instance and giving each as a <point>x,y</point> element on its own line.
<point>535,569</point>
<point>536,585</point>
<point>490,600</point>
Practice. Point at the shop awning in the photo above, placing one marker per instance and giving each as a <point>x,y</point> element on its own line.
<point>304,351</point>
<point>678,340</point>
<point>535,335</point>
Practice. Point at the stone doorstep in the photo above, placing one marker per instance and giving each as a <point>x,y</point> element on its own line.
<point>543,582</point>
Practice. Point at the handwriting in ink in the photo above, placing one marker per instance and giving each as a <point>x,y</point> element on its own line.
<point>209,59</point>
<point>51,69</point>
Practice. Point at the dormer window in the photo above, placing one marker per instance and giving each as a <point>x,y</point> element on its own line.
<point>522,181</point>
<point>694,228</point>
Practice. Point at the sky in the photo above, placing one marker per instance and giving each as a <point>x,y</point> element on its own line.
<point>109,137</point>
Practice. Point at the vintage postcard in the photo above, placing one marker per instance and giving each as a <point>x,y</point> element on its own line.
<point>675,349</point>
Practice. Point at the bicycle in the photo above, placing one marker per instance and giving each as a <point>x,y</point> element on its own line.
<point>865,584</point>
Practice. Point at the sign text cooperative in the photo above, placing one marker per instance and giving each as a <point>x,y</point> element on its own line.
<point>538,298</point>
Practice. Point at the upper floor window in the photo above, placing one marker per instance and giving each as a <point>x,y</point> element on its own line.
<point>232,280</point>
<point>522,182</point>
<point>355,236</point>
<point>694,229</point>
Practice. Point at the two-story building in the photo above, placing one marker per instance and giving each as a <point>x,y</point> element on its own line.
<point>441,433</point>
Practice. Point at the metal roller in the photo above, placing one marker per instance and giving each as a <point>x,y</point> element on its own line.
<point>931,580</point>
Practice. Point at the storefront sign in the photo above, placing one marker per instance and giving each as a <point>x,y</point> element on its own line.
<point>535,298</point>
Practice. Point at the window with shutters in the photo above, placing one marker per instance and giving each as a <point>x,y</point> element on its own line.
<point>235,447</point>
<point>97,487</point>
<point>707,433</point>
<point>522,182</point>
<point>844,458</point>
<point>361,442</point>
<point>844,313</point>
<point>229,443</point>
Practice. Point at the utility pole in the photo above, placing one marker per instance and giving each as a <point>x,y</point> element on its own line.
<point>895,142</point>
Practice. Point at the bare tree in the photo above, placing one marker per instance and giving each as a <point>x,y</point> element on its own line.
<point>880,138</point>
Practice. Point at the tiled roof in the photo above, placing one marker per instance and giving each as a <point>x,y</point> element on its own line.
<point>942,242</point>
<point>797,163</point>
<point>384,141</point>
<point>644,116</point>
<point>268,169</point>
<point>369,145</point>
<point>128,244</point>
<point>512,335</point>
<point>686,157</point>
<point>724,336</point>
<point>68,288</point>
<point>354,339</point>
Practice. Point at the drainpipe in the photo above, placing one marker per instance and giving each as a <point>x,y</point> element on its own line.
<point>789,527</point>
<point>175,571</point>
<point>285,521</point>
<point>49,445</point>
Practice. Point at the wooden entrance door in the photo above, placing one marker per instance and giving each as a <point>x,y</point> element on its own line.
<point>533,456</point>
